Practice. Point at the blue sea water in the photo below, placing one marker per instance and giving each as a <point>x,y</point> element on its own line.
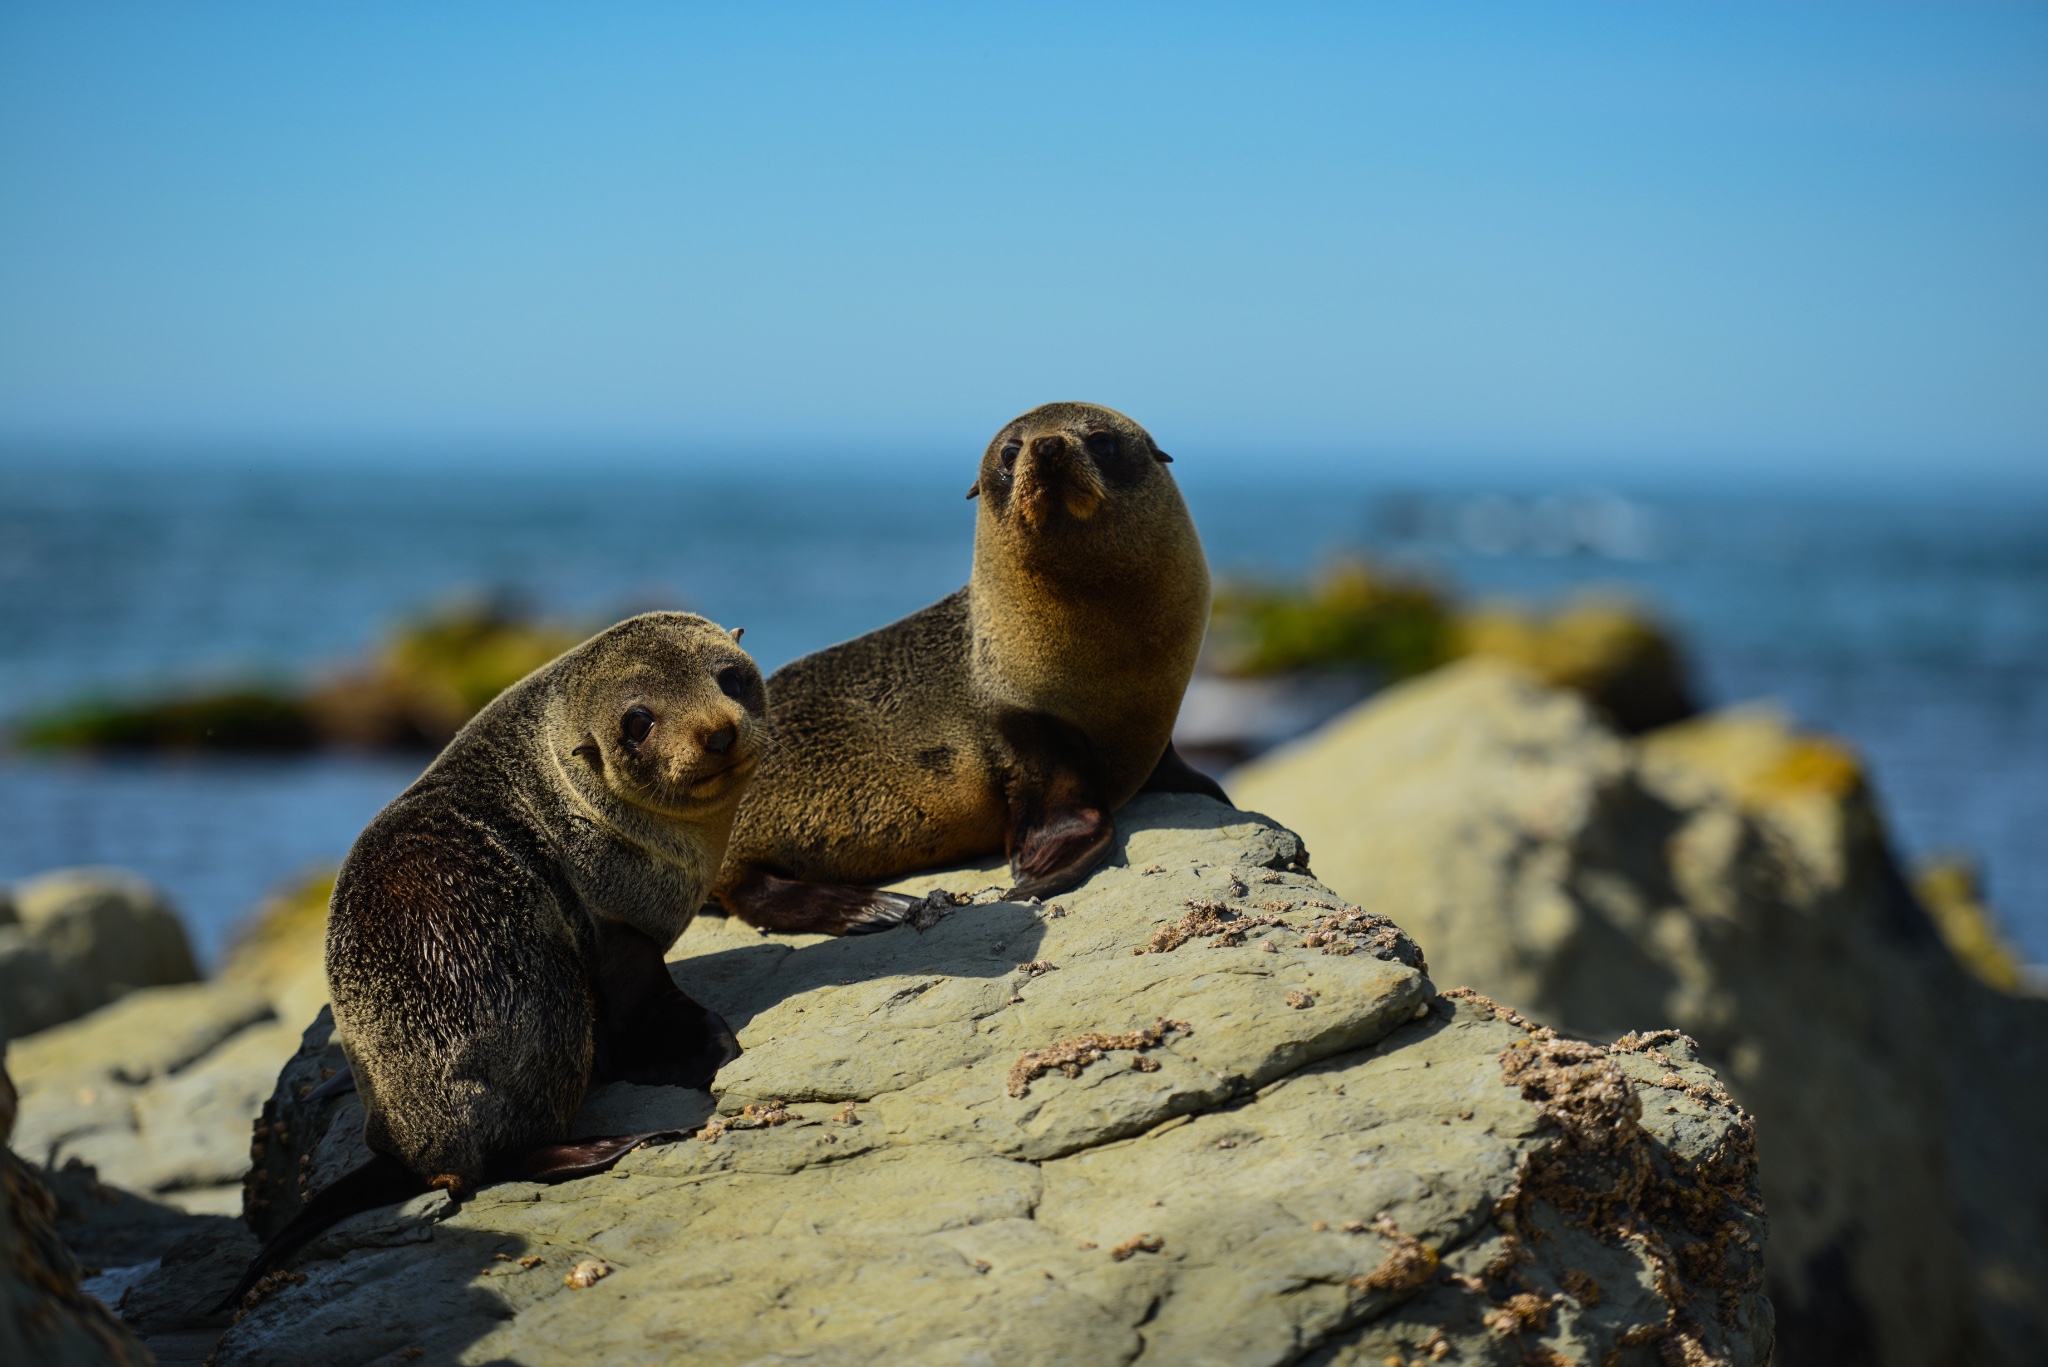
<point>1916,627</point>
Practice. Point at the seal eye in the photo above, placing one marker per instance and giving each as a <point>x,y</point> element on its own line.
<point>732,681</point>
<point>637,722</point>
<point>1101,445</point>
<point>1010,452</point>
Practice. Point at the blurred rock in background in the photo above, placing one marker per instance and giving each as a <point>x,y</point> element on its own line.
<point>1951,888</point>
<point>1283,659</point>
<point>1731,878</point>
<point>155,1093</point>
<point>1608,650</point>
<point>75,939</point>
<point>431,674</point>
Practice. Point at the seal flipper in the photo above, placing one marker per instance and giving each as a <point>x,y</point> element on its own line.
<point>581,1157</point>
<point>1175,775</point>
<point>1061,848</point>
<point>648,1029</point>
<point>794,907</point>
<point>1060,828</point>
<point>380,1182</point>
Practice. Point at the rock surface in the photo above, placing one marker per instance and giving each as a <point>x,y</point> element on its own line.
<point>73,940</point>
<point>155,1093</point>
<point>1114,1128</point>
<point>45,1316</point>
<point>1728,877</point>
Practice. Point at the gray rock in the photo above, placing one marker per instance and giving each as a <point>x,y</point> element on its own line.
<point>1015,1138</point>
<point>76,939</point>
<point>46,1317</point>
<point>1731,878</point>
<point>155,1092</point>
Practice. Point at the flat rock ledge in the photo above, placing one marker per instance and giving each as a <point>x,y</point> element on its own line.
<point>1200,1110</point>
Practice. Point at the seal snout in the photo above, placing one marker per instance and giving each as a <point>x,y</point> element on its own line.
<point>1056,471</point>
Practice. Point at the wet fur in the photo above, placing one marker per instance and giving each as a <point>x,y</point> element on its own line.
<point>496,933</point>
<point>474,914</point>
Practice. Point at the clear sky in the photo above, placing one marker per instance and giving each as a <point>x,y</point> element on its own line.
<point>1702,237</point>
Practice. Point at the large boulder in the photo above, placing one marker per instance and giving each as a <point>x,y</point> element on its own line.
<point>1729,877</point>
<point>73,940</point>
<point>1197,1111</point>
<point>45,1315</point>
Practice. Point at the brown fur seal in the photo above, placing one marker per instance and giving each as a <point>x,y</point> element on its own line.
<point>1015,715</point>
<point>496,933</point>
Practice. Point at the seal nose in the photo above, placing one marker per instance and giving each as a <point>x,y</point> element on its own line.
<point>720,741</point>
<point>1052,447</point>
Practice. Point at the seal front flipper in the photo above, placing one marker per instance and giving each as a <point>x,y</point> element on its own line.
<point>1060,828</point>
<point>380,1182</point>
<point>794,907</point>
<point>648,1029</point>
<point>1175,775</point>
<point>1058,850</point>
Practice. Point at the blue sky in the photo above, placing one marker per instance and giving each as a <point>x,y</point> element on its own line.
<point>1628,238</point>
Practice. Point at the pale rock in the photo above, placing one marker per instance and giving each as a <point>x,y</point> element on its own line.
<point>1287,1180</point>
<point>1731,878</point>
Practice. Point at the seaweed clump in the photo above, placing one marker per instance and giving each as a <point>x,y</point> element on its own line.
<point>427,678</point>
<point>1353,615</point>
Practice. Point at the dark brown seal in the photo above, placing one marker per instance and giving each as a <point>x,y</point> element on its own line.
<point>497,932</point>
<point>1015,715</point>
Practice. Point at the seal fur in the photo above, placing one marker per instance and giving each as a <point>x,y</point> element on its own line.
<point>496,934</point>
<point>1013,715</point>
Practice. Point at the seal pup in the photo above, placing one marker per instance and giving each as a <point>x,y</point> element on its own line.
<point>1014,715</point>
<point>496,934</point>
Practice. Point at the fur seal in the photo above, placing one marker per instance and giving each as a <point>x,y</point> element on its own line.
<point>496,934</point>
<point>1014,715</point>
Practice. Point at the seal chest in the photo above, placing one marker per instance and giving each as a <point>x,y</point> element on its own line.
<point>1014,715</point>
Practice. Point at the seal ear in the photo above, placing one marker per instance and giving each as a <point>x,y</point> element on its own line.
<point>1161,456</point>
<point>736,633</point>
<point>590,752</point>
<point>975,491</point>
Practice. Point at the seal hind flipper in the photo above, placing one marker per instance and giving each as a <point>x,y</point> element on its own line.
<point>793,907</point>
<point>1175,775</point>
<point>380,1182</point>
<point>648,1029</point>
<point>583,1157</point>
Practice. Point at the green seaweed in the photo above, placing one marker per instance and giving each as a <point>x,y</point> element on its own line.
<point>1353,615</point>
<point>237,719</point>
<point>429,676</point>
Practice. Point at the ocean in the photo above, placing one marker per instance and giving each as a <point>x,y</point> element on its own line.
<point>1914,626</point>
